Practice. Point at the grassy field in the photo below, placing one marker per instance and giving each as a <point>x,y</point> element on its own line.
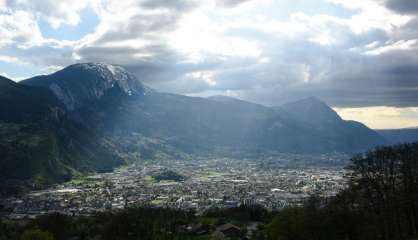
<point>209,175</point>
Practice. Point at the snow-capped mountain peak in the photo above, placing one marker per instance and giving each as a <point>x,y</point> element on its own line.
<point>81,83</point>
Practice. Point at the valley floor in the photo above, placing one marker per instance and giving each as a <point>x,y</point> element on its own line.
<point>209,183</point>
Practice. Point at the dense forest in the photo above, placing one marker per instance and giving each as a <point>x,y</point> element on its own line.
<point>380,202</point>
<point>168,175</point>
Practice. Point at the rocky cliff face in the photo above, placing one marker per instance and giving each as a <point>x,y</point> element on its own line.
<point>82,84</point>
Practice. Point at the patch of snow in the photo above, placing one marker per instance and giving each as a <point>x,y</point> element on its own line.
<point>114,75</point>
<point>112,69</point>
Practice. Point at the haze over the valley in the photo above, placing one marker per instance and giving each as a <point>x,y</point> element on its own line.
<point>358,56</point>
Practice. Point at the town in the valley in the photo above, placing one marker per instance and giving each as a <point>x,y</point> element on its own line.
<point>186,184</point>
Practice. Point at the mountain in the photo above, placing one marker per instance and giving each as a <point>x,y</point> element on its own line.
<point>235,101</point>
<point>82,84</point>
<point>20,103</point>
<point>312,111</point>
<point>39,144</point>
<point>324,127</point>
<point>94,116</point>
<point>395,136</point>
<point>117,105</point>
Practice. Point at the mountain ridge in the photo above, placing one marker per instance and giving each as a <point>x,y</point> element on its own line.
<point>217,121</point>
<point>402,135</point>
<point>40,144</point>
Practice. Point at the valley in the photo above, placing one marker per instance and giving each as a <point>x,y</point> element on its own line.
<point>207,184</point>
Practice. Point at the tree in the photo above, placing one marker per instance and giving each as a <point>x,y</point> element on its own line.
<point>385,181</point>
<point>36,234</point>
<point>289,224</point>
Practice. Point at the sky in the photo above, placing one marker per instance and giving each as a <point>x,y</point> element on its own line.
<point>359,56</point>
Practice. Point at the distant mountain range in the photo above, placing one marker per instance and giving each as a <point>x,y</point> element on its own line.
<point>395,136</point>
<point>94,116</point>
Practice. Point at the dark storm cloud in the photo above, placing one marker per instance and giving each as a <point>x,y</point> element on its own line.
<point>403,6</point>
<point>155,55</point>
<point>341,77</point>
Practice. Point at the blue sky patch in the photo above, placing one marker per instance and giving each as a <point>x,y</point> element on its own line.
<point>88,23</point>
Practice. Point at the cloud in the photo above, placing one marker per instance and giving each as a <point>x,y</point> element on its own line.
<point>21,40</point>
<point>348,61</point>
<point>402,6</point>
<point>135,34</point>
<point>402,45</point>
<point>178,5</point>
<point>354,53</point>
<point>230,3</point>
<point>18,28</point>
<point>55,13</point>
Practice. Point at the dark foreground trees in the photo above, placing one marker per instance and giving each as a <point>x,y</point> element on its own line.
<point>36,234</point>
<point>386,184</point>
<point>130,224</point>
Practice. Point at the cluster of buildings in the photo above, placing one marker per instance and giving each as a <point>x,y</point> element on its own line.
<point>210,183</point>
